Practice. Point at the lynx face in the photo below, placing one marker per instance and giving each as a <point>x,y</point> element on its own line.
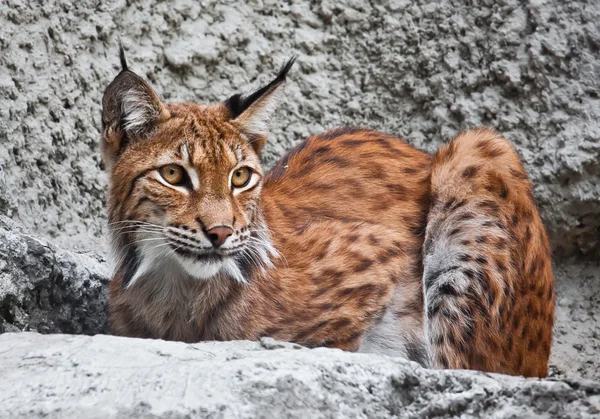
<point>185,180</point>
<point>194,196</point>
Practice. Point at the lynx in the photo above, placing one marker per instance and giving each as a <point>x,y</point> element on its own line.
<point>354,240</point>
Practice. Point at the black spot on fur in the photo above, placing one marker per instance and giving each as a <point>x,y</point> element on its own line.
<point>328,307</point>
<point>470,172</point>
<point>459,204</point>
<point>430,279</point>
<point>464,257</point>
<point>517,173</point>
<point>470,273</point>
<point>449,203</point>
<point>452,316</point>
<point>353,142</point>
<point>465,216</point>
<point>334,133</point>
<point>341,323</point>
<point>336,160</point>
<point>363,265</point>
<point>373,240</point>
<point>481,260</point>
<point>454,232</point>
<point>361,290</point>
<point>527,237</point>
<point>246,265</point>
<point>322,150</point>
<point>448,289</point>
<point>493,206</point>
<point>482,278</point>
<point>489,149</point>
<point>433,309</point>
<point>397,190</point>
<point>132,263</point>
<point>514,220</point>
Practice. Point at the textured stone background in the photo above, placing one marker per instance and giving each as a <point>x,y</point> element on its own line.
<point>423,70</point>
<point>417,69</point>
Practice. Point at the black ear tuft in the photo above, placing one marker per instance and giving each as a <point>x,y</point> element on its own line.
<point>122,56</point>
<point>238,103</point>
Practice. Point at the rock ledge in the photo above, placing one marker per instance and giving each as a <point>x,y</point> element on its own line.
<point>68,376</point>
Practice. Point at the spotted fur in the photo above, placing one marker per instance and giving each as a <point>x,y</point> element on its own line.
<point>327,249</point>
<point>488,283</point>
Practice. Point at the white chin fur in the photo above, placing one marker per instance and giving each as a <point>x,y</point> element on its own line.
<point>208,270</point>
<point>198,269</point>
<point>170,266</point>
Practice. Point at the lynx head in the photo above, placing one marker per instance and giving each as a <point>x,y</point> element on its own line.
<point>185,180</point>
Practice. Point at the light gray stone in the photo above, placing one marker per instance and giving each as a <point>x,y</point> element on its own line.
<point>419,69</point>
<point>60,376</point>
<point>46,289</point>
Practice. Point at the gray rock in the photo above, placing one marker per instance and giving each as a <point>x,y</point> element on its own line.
<point>60,376</point>
<point>46,289</point>
<point>422,70</point>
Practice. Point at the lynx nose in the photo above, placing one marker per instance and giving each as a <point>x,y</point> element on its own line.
<point>218,235</point>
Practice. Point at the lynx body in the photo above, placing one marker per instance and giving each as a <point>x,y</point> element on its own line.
<point>354,240</point>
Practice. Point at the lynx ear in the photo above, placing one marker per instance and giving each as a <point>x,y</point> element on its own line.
<point>130,111</point>
<point>252,113</point>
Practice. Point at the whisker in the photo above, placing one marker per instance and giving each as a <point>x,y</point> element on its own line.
<point>128,230</point>
<point>135,230</point>
<point>267,247</point>
<point>133,222</point>
<point>166,245</point>
<point>129,225</point>
<point>128,245</point>
<point>148,226</point>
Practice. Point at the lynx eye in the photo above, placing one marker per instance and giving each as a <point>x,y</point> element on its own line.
<point>173,174</point>
<point>241,177</point>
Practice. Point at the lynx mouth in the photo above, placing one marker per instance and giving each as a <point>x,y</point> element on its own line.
<point>205,264</point>
<point>205,255</point>
<point>202,257</point>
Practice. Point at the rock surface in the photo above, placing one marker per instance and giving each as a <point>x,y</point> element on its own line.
<point>57,376</point>
<point>423,70</point>
<point>46,289</point>
<point>576,340</point>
